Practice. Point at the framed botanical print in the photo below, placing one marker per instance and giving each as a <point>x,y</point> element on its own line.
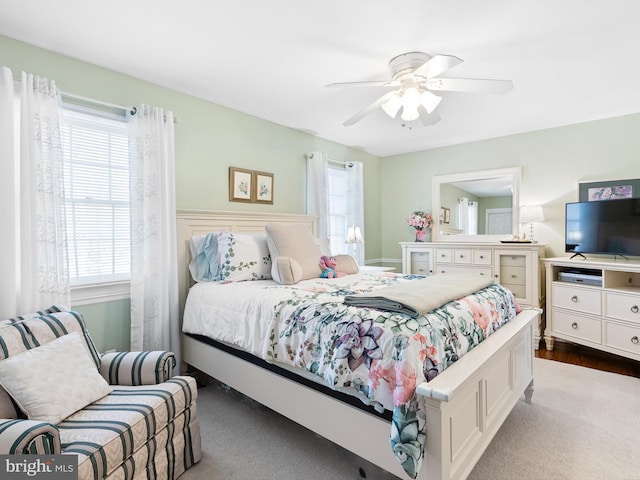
<point>263,187</point>
<point>240,185</point>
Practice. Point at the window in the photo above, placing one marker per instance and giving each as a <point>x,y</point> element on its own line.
<point>96,181</point>
<point>337,230</point>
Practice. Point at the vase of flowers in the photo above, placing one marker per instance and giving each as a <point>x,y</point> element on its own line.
<point>420,221</point>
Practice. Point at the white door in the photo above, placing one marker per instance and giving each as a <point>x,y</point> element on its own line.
<point>498,221</point>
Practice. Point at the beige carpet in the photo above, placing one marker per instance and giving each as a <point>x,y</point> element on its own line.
<point>584,424</point>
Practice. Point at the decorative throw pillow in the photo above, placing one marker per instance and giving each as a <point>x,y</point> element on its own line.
<point>52,381</point>
<point>243,256</point>
<point>204,257</point>
<point>346,264</point>
<point>294,253</point>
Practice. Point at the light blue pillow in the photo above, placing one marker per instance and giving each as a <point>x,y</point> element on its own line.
<point>204,265</point>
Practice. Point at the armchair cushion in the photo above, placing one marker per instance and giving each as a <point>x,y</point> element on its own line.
<point>52,381</point>
<point>137,368</point>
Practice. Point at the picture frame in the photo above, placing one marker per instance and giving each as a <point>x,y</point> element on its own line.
<point>241,183</point>
<point>445,214</point>
<point>263,187</point>
<point>608,190</point>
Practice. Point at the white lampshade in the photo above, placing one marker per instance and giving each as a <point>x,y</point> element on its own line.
<point>531,213</point>
<point>429,100</point>
<point>392,105</point>
<point>354,235</point>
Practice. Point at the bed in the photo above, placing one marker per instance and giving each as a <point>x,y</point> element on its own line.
<point>461,408</point>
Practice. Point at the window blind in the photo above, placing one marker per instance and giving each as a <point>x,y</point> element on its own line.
<point>96,180</point>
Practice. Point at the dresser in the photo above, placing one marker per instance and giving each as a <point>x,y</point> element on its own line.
<point>594,303</point>
<point>517,266</point>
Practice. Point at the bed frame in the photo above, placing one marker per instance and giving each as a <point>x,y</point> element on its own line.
<point>465,405</point>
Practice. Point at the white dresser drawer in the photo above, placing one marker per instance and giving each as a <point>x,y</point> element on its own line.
<point>513,260</point>
<point>577,326</point>
<point>623,337</point>
<point>519,291</point>
<point>420,268</point>
<point>462,256</point>
<point>443,255</point>
<point>623,307</point>
<point>482,257</point>
<point>580,299</point>
<point>513,275</point>
<point>485,271</point>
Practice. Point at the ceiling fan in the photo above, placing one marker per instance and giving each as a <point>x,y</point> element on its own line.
<point>414,77</point>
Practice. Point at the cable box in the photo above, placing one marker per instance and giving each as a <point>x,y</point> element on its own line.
<point>584,278</point>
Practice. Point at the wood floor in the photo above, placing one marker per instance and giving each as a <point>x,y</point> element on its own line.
<point>589,357</point>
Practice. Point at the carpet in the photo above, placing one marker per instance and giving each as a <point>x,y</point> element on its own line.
<point>583,424</point>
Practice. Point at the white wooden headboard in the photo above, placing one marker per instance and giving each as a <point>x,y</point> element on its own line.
<point>199,222</point>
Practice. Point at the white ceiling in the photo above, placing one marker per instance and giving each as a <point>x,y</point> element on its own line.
<point>571,61</point>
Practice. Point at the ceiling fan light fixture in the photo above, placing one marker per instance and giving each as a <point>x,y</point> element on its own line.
<point>392,106</point>
<point>409,114</point>
<point>429,101</point>
<point>411,98</point>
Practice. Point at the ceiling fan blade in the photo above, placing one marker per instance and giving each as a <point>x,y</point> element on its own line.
<point>436,65</point>
<point>368,109</point>
<point>428,118</point>
<point>378,83</point>
<point>474,85</point>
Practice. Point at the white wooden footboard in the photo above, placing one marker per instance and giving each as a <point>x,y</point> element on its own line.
<point>465,405</point>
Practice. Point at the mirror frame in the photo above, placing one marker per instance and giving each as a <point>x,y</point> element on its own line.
<point>513,172</point>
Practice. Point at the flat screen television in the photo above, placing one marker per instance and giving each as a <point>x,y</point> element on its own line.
<point>603,227</point>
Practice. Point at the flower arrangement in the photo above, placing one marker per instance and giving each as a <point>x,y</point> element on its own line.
<point>420,221</point>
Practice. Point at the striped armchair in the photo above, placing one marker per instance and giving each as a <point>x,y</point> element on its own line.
<point>146,427</point>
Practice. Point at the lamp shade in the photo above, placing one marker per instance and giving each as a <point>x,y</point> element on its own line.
<point>354,235</point>
<point>531,213</point>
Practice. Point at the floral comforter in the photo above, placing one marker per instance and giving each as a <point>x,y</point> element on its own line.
<point>377,356</point>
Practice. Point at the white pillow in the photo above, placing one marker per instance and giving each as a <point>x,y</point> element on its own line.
<point>54,380</point>
<point>243,256</point>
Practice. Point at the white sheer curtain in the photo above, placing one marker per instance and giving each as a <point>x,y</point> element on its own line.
<point>33,253</point>
<point>317,188</point>
<point>154,263</point>
<point>468,216</point>
<point>355,204</point>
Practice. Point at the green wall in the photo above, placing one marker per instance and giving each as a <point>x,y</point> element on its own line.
<point>209,139</point>
<point>553,161</point>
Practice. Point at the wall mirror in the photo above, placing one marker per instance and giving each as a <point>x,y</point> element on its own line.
<point>476,206</point>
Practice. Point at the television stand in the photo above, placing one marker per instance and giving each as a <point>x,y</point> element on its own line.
<point>595,303</point>
<point>577,255</point>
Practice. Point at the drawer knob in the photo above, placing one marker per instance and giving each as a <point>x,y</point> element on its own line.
<point>514,276</point>
<point>634,309</point>
<point>574,325</point>
<point>574,299</point>
<point>481,257</point>
<point>635,340</point>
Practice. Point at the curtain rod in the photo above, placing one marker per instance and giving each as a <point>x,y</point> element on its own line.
<point>72,96</point>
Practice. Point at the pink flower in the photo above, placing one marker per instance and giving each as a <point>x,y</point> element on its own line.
<point>405,384</point>
<point>479,314</point>
<point>420,220</point>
